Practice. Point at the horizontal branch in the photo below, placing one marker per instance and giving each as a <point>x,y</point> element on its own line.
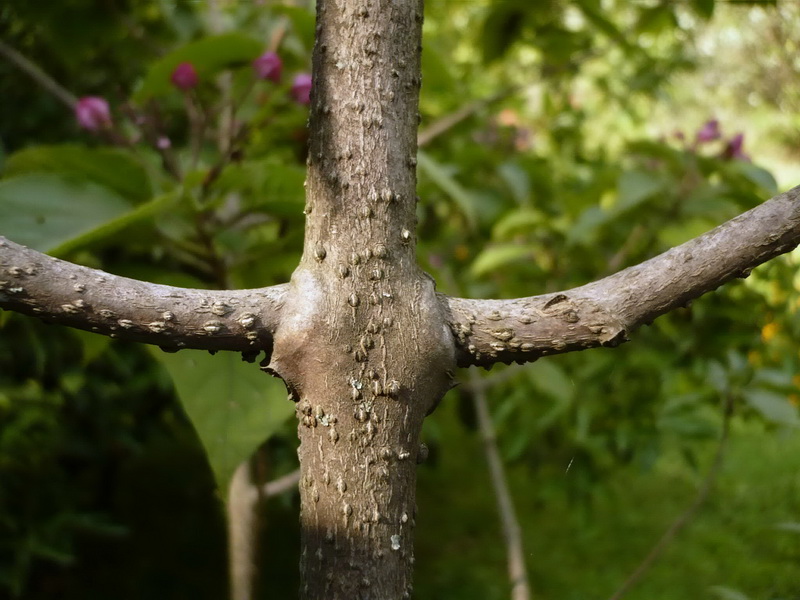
<point>174,318</point>
<point>605,312</point>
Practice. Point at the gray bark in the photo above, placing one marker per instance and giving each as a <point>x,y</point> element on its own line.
<point>364,345</point>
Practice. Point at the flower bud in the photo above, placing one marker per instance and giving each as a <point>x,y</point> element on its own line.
<point>301,89</point>
<point>735,148</point>
<point>709,132</point>
<point>184,77</point>
<point>92,113</point>
<point>268,66</point>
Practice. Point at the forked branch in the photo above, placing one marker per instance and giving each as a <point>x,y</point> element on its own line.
<point>605,312</point>
<point>173,318</point>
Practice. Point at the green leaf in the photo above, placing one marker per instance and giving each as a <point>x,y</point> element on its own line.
<point>704,8</point>
<point>110,167</point>
<point>518,221</point>
<point>233,406</point>
<point>494,257</point>
<point>266,186</point>
<point>773,407</point>
<point>550,379</point>
<point>444,180</point>
<point>726,593</point>
<point>634,187</point>
<point>503,26</point>
<point>44,211</point>
<point>789,526</point>
<point>111,228</point>
<point>208,55</point>
<point>517,180</point>
<point>761,178</point>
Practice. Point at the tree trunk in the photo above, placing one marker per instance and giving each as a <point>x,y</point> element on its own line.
<point>362,345</point>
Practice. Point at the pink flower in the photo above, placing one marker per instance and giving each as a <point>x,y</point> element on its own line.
<point>301,89</point>
<point>184,77</point>
<point>709,132</point>
<point>92,113</point>
<point>163,142</point>
<point>733,149</point>
<point>268,66</point>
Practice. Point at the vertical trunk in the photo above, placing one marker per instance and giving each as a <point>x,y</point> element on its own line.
<point>363,346</point>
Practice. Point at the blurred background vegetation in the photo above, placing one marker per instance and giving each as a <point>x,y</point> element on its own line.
<point>562,141</point>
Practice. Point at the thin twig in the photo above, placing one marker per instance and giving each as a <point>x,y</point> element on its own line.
<point>447,122</point>
<point>281,484</point>
<point>684,518</point>
<point>512,533</point>
<point>39,76</point>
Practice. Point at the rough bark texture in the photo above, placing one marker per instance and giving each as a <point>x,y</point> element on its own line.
<point>363,344</point>
<point>173,318</point>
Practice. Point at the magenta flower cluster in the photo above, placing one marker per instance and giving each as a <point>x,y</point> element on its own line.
<point>711,131</point>
<point>93,113</point>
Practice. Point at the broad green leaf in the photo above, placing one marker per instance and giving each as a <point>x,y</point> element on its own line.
<point>761,178</point>
<point>517,180</point>
<point>550,379</point>
<point>634,187</point>
<point>110,167</point>
<point>587,225</point>
<point>44,211</point>
<point>266,186</point>
<point>518,221</point>
<point>233,406</point>
<point>106,230</point>
<point>495,257</point>
<point>773,407</point>
<point>774,378</point>
<point>209,55</point>
<point>726,593</point>
<point>439,175</point>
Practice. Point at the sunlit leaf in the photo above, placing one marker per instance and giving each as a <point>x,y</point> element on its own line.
<point>518,221</point>
<point>500,255</point>
<point>773,407</point>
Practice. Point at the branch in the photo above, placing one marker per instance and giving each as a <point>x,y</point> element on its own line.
<point>173,318</point>
<point>39,76</point>
<point>278,486</point>
<point>512,534</point>
<point>449,121</point>
<point>684,518</point>
<point>605,312</point>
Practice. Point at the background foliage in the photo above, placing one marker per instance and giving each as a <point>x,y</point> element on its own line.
<point>603,133</point>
